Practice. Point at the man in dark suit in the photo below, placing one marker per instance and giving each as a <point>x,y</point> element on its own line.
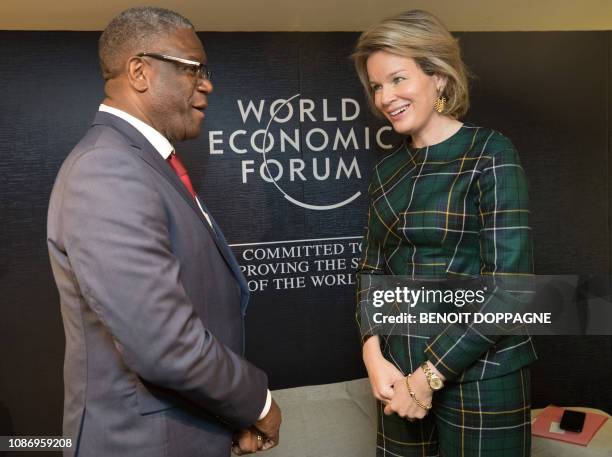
<point>152,298</point>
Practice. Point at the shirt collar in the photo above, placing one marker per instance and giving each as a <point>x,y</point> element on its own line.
<point>159,142</point>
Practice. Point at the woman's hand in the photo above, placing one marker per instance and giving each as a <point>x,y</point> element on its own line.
<point>382,373</point>
<point>403,404</point>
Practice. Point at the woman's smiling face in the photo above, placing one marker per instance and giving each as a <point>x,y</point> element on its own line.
<point>403,92</point>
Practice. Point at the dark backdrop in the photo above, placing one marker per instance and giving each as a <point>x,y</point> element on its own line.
<point>548,92</point>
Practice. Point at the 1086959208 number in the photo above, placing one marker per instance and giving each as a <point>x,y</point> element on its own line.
<point>40,443</point>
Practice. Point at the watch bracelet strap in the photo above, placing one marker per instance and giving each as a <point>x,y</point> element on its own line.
<point>428,373</point>
<point>413,395</point>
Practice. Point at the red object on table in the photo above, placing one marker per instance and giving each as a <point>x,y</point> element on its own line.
<point>541,426</point>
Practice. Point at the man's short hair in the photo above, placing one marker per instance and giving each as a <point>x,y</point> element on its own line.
<point>132,31</point>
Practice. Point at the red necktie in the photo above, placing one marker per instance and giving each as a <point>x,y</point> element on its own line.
<point>181,172</point>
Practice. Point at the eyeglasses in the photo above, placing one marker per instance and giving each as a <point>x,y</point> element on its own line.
<point>195,68</point>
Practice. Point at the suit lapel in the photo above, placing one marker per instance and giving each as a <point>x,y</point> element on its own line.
<point>229,257</point>
<point>150,155</point>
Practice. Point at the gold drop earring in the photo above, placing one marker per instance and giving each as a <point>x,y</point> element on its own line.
<point>440,103</point>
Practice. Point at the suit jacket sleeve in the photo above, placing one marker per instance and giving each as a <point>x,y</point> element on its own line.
<point>505,251</point>
<point>117,241</point>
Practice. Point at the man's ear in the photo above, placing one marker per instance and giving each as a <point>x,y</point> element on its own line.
<point>138,74</point>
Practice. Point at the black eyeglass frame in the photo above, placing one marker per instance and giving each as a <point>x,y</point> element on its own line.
<point>201,69</point>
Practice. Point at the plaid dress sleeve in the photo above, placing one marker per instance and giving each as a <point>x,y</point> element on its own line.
<point>505,250</point>
<point>372,262</point>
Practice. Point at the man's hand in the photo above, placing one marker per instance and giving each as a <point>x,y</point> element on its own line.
<point>403,404</point>
<point>381,372</point>
<point>270,426</point>
<point>246,441</point>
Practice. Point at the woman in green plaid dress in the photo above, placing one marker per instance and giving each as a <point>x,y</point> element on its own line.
<point>450,202</point>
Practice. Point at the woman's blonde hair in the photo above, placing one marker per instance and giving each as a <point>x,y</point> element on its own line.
<point>421,36</point>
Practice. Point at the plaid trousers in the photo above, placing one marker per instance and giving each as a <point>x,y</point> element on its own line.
<point>488,418</point>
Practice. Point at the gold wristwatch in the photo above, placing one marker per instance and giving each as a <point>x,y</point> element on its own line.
<point>434,381</point>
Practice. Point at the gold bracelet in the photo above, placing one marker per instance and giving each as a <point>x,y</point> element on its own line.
<point>422,405</point>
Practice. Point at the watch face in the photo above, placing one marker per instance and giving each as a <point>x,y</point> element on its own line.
<point>436,383</point>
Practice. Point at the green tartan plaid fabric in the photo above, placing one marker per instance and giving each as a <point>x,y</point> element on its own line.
<point>455,209</point>
<point>489,418</point>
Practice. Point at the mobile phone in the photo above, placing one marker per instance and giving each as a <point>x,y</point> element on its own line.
<point>572,421</point>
